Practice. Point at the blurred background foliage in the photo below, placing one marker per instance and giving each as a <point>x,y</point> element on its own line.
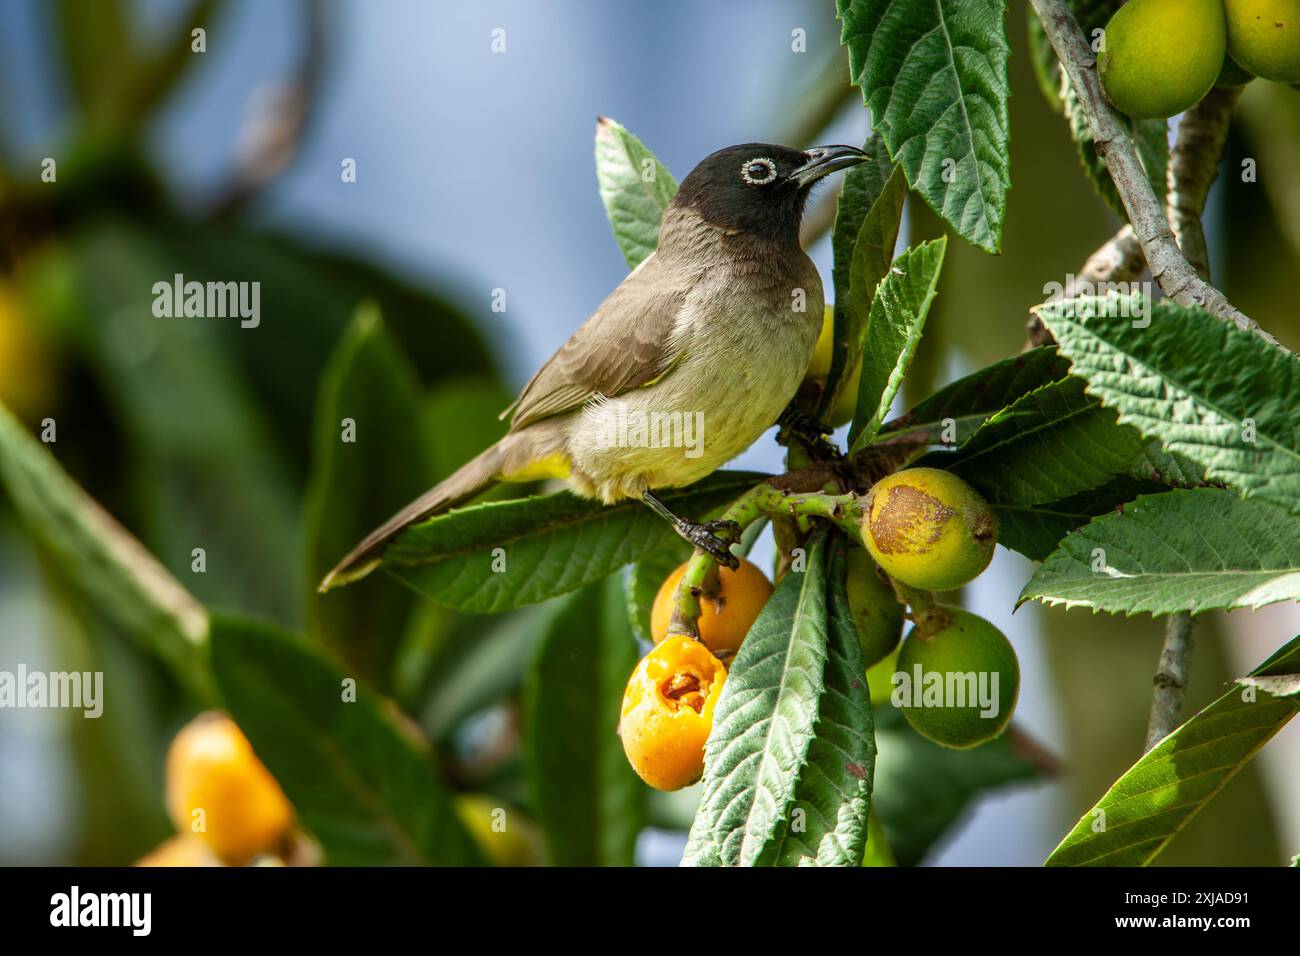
<point>198,433</point>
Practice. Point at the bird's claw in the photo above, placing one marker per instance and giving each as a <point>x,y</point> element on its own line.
<point>809,432</point>
<point>795,422</point>
<point>715,538</point>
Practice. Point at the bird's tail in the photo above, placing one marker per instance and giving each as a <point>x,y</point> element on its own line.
<point>469,480</point>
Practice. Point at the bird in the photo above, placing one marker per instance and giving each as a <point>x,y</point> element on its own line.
<point>711,333</point>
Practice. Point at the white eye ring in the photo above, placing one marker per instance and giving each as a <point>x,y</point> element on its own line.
<point>758,161</point>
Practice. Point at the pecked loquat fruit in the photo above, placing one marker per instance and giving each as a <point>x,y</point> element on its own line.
<point>667,712</point>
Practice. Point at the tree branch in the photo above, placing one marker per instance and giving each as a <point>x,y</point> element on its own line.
<point>1115,145</point>
<point>1193,166</point>
<point>278,122</point>
<point>1171,678</point>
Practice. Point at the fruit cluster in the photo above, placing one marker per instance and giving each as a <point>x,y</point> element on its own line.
<point>922,530</point>
<point>1159,57</point>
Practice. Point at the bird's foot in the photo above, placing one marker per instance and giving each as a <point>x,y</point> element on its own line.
<point>714,538</point>
<point>799,424</point>
<point>809,432</point>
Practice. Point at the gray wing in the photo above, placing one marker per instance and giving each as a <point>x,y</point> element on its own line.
<point>625,344</point>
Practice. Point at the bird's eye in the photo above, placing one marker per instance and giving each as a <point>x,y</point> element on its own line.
<point>759,171</point>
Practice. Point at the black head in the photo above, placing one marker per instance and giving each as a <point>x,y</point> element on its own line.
<point>760,188</point>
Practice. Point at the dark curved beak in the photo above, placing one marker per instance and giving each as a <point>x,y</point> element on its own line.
<point>823,160</point>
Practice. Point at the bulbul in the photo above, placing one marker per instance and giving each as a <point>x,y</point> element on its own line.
<point>716,327</point>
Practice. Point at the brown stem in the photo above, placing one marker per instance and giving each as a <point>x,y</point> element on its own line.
<point>1193,165</point>
<point>1171,678</point>
<point>922,607</point>
<point>277,127</point>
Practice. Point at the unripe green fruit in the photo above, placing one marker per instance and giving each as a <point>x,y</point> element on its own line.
<point>1264,37</point>
<point>877,615</point>
<point>929,529</point>
<point>976,667</point>
<point>880,678</point>
<point>1162,56</point>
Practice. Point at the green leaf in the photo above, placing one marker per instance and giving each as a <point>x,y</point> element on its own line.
<point>360,780</point>
<point>871,204</point>
<point>356,484</point>
<point>587,798</point>
<point>763,725</point>
<point>635,188</point>
<point>833,794</point>
<point>1047,71</point>
<point>934,73</point>
<point>121,579</point>
<point>898,311</point>
<point>550,545</point>
<point>474,669</point>
<point>862,186</point>
<point>97,53</point>
<point>1157,463</point>
<point>1155,799</point>
<point>1184,550</point>
<point>314,294</point>
<point>1049,444</point>
<point>923,789</point>
<point>1036,530</point>
<point>461,417</point>
<point>207,466</point>
<point>1215,394</point>
<point>968,401</point>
